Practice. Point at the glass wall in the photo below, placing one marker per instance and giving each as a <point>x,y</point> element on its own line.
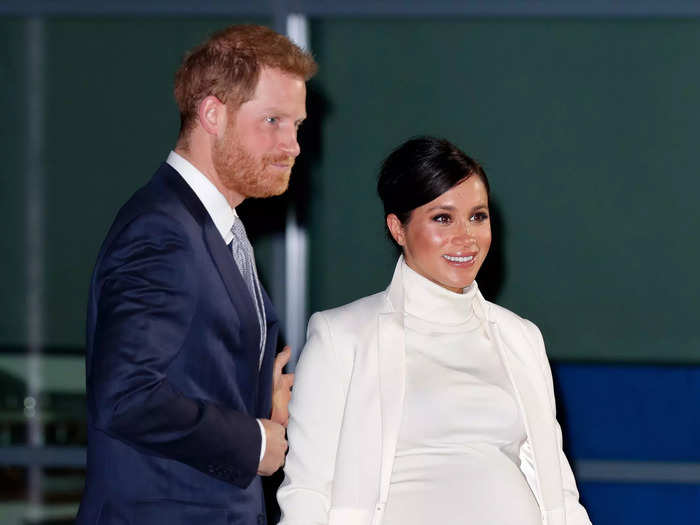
<point>88,116</point>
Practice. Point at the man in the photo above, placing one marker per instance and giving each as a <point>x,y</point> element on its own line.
<point>183,411</point>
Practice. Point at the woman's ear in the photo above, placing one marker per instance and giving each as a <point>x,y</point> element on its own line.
<point>396,229</point>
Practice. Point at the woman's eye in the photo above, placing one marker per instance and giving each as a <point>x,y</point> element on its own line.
<point>271,120</point>
<point>480,216</point>
<point>443,218</point>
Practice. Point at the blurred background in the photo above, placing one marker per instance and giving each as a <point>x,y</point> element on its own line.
<point>585,114</point>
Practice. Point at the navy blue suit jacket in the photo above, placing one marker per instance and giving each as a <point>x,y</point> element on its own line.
<point>173,385</point>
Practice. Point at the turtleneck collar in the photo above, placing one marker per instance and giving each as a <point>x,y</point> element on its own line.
<point>433,303</point>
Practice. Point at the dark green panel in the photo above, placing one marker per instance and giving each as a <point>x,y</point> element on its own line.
<point>12,182</point>
<point>111,121</point>
<point>588,130</point>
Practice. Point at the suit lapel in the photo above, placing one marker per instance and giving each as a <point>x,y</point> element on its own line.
<point>223,259</point>
<point>234,283</point>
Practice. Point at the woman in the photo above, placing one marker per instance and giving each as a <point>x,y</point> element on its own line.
<point>426,403</point>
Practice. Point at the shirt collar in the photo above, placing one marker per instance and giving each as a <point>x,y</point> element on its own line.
<point>211,198</point>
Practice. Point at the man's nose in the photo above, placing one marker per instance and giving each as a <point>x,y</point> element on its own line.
<point>290,144</point>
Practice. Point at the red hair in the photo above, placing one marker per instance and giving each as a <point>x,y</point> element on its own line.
<point>228,66</point>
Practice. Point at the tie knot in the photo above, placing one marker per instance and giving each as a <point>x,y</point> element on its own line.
<point>238,230</point>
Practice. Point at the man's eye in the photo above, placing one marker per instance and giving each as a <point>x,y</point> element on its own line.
<point>443,218</point>
<point>271,120</point>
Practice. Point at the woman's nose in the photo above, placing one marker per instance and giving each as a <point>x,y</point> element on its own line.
<point>465,233</point>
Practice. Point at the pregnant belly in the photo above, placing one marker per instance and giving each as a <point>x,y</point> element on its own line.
<point>473,485</point>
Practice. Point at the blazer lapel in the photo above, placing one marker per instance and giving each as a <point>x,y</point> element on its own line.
<point>391,361</point>
<point>392,377</point>
<point>540,431</point>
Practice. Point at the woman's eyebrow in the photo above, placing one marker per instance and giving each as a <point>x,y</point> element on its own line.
<point>447,207</point>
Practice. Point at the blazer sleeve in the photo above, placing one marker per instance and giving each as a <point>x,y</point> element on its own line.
<point>146,293</point>
<point>315,419</point>
<point>575,513</point>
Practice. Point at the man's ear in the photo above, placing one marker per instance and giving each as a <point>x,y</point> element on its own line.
<point>212,115</point>
<point>396,229</point>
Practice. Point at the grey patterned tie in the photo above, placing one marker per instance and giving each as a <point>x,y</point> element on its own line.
<point>243,255</point>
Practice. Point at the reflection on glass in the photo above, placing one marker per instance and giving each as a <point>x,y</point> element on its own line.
<point>60,412</point>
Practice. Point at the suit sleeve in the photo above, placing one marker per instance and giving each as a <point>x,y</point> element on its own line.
<point>575,513</point>
<point>146,293</point>
<point>316,415</point>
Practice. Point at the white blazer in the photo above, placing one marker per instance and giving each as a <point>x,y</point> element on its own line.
<point>347,403</point>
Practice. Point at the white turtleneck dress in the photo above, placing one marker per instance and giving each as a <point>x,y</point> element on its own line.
<point>457,454</point>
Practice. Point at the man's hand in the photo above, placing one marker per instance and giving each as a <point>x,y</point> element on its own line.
<point>281,388</point>
<point>275,449</point>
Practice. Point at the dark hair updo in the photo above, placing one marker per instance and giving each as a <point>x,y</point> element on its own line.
<point>420,170</point>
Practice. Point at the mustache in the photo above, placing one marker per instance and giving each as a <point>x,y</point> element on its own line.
<point>279,159</point>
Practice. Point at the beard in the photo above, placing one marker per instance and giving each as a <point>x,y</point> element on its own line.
<point>248,176</point>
